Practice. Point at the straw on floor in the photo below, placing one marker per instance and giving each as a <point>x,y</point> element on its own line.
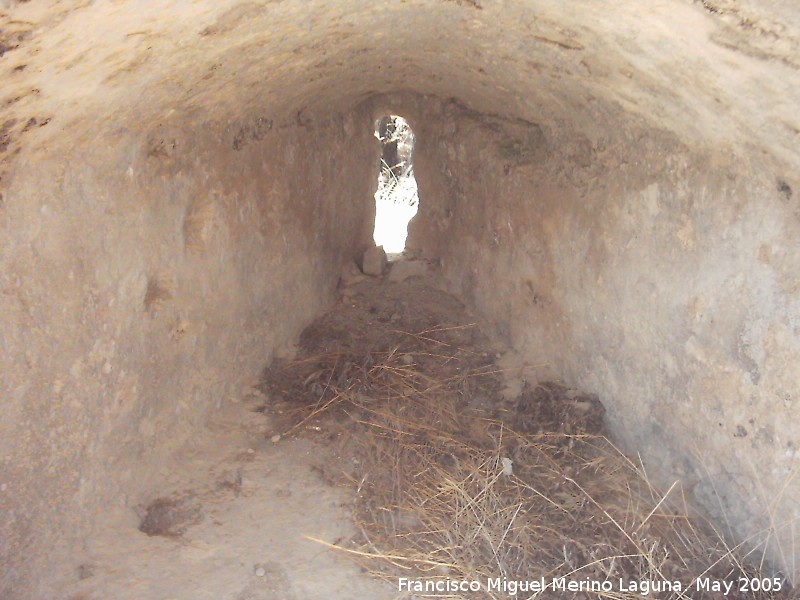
<point>448,486</point>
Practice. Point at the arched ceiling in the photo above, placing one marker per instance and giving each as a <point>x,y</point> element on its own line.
<point>716,72</point>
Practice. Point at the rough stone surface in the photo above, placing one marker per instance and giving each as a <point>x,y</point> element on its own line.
<point>614,186</point>
<point>350,274</point>
<point>141,291</point>
<point>374,261</point>
<point>403,269</point>
<point>632,266</point>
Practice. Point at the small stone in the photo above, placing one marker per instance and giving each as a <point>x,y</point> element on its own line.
<point>350,274</point>
<point>276,438</point>
<point>253,392</point>
<point>85,571</point>
<point>260,572</point>
<point>403,269</point>
<point>407,359</point>
<point>374,261</point>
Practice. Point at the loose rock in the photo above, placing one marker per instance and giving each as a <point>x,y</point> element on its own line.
<point>350,275</point>
<point>403,269</point>
<point>374,263</point>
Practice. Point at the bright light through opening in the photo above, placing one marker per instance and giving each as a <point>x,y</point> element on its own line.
<point>396,200</point>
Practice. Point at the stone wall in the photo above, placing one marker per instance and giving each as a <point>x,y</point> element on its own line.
<point>146,277</point>
<point>628,265</point>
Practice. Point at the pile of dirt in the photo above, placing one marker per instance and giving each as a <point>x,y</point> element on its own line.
<point>451,483</point>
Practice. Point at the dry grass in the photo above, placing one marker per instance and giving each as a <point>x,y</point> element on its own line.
<point>397,189</point>
<point>446,489</point>
<point>438,497</point>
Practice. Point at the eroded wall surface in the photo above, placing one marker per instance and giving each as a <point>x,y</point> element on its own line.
<point>146,278</point>
<point>625,264</point>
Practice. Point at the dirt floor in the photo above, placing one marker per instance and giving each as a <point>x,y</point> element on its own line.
<point>237,508</point>
<point>395,440</point>
<point>230,524</point>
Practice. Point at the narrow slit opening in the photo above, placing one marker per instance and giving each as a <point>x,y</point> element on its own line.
<point>397,197</point>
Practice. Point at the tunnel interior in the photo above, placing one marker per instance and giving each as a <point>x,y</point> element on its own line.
<point>611,189</point>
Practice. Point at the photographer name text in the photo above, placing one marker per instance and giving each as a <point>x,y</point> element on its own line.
<point>644,587</point>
